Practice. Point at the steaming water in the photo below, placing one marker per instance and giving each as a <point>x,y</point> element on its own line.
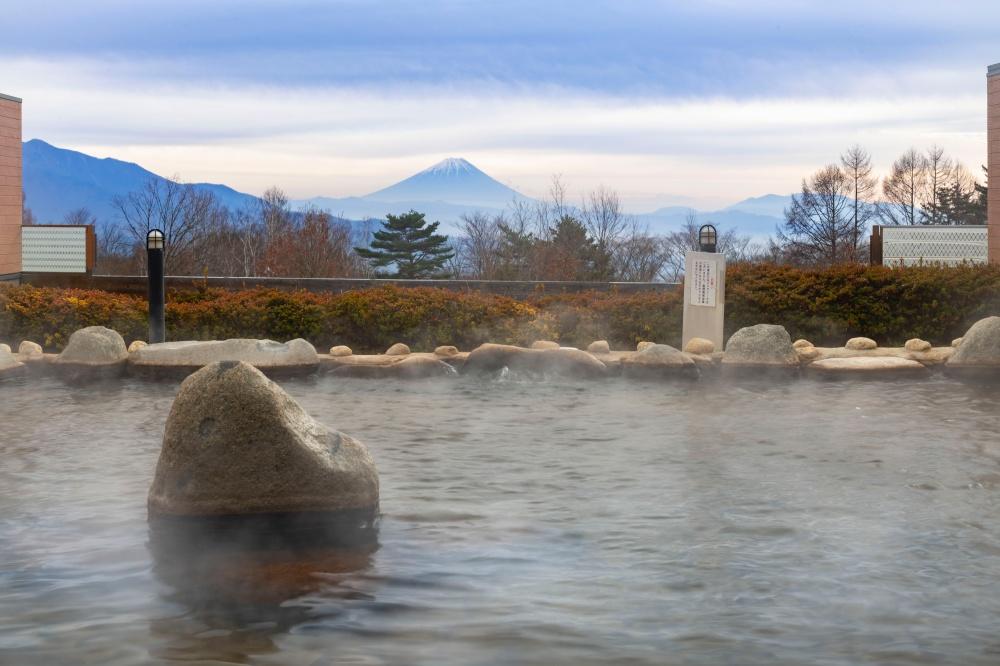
<point>548,523</point>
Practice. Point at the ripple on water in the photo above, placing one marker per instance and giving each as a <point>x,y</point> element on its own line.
<point>533,522</point>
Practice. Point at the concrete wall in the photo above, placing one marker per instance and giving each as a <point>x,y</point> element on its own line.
<point>10,185</point>
<point>137,285</point>
<point>993,157</point>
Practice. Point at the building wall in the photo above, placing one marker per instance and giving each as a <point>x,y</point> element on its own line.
<point>993,157</point>
<point>10,185</point>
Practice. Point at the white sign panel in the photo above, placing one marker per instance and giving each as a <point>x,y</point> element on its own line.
<point>704,283</point>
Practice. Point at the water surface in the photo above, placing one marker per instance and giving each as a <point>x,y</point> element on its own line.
<point>535,522</point>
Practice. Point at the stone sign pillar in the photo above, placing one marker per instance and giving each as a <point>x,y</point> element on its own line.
<point>704,297</point>
<point>993,160</point>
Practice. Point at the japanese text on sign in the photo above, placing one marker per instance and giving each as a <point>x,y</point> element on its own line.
<point>703,283</point>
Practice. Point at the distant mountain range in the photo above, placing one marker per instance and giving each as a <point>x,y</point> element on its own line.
<point>58,181</point>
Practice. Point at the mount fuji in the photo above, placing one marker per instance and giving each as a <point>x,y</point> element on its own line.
<point>454,180</point>
<point>442,192</point>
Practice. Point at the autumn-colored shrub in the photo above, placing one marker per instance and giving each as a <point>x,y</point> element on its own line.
<point>368,320</point>
<point>891,305</point>
<point>621,319</point>
<point>826,306</point>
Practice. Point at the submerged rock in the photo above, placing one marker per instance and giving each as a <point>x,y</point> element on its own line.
<point>866,367</point>
<point>760,349</point>
<point>564,361</point>
<point>599,347</point>
<point>544,344</point>
<point>659,362</point>
<point>699,346</point>
<point>181,358</point>
<point>29,348</point>
<point>412,367</point>
<point>236,444</point>
<point>978,355</point>
<point>398,349</point>
<point>861,343</point>
<point>340,350</point>
<point>917,345</point>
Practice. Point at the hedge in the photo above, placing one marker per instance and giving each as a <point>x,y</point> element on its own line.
<point>826,306</point>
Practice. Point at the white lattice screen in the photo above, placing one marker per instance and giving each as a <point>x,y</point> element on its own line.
<point>54,249</point>
<point>926,244</point>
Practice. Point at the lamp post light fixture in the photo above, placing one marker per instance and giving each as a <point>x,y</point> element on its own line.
<point>155,242</point>
<point>707,238</point>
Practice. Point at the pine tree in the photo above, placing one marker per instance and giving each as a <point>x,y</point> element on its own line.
<point>409,243</point>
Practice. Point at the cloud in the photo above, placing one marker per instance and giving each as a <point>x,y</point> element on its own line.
<point>650,47</point>
<point>712,100</point>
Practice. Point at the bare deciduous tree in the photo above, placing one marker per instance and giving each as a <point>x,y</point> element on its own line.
<point>478,249</point>
<point>939,170</point>
<point>180,211</point>
<point>902,188</point>
<point>819,225</point>
<point>856,164</point>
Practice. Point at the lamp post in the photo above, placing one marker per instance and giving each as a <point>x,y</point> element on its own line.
<point>155,241</point>
<point>707,238</point>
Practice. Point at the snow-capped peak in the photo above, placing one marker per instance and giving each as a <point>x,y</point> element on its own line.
<point>450,166</point>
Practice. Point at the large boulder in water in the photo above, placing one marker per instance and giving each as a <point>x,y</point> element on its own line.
<point>295,357</point>
<point>563,361</point>
<point>760,349</point>
<point>236,444</point>
<point>659,362</point>
<point>91,353</point>
<point>978,355</point>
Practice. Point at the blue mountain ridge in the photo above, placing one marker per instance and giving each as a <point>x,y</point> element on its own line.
<point>58,181</point>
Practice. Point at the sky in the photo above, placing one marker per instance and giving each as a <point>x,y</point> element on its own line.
<point>669,103</point>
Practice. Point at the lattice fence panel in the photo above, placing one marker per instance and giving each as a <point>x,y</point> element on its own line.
<point>934,245</point>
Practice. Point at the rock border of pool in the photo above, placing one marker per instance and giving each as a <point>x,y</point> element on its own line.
<point>761,351</point>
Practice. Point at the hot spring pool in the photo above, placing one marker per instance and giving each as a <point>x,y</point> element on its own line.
<point>545,523</point>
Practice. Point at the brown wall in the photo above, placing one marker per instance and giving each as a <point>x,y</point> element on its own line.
<point>993,157</point>
<point>10,185</point>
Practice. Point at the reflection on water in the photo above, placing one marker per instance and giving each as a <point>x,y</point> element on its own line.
<point>529,522</point>
<point>235,585</point>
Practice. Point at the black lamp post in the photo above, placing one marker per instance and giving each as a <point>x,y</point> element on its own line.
<point>707,238</point>
<point>155,241</point>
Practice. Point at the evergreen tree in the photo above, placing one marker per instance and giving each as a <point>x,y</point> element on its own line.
<point>962,200</point>
<point>573,255</point>
<point>409,243</point>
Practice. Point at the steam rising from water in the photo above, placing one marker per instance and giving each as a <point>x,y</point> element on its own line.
<point>555,522</point>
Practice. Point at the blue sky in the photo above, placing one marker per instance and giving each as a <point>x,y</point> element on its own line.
<point>667,102</point>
